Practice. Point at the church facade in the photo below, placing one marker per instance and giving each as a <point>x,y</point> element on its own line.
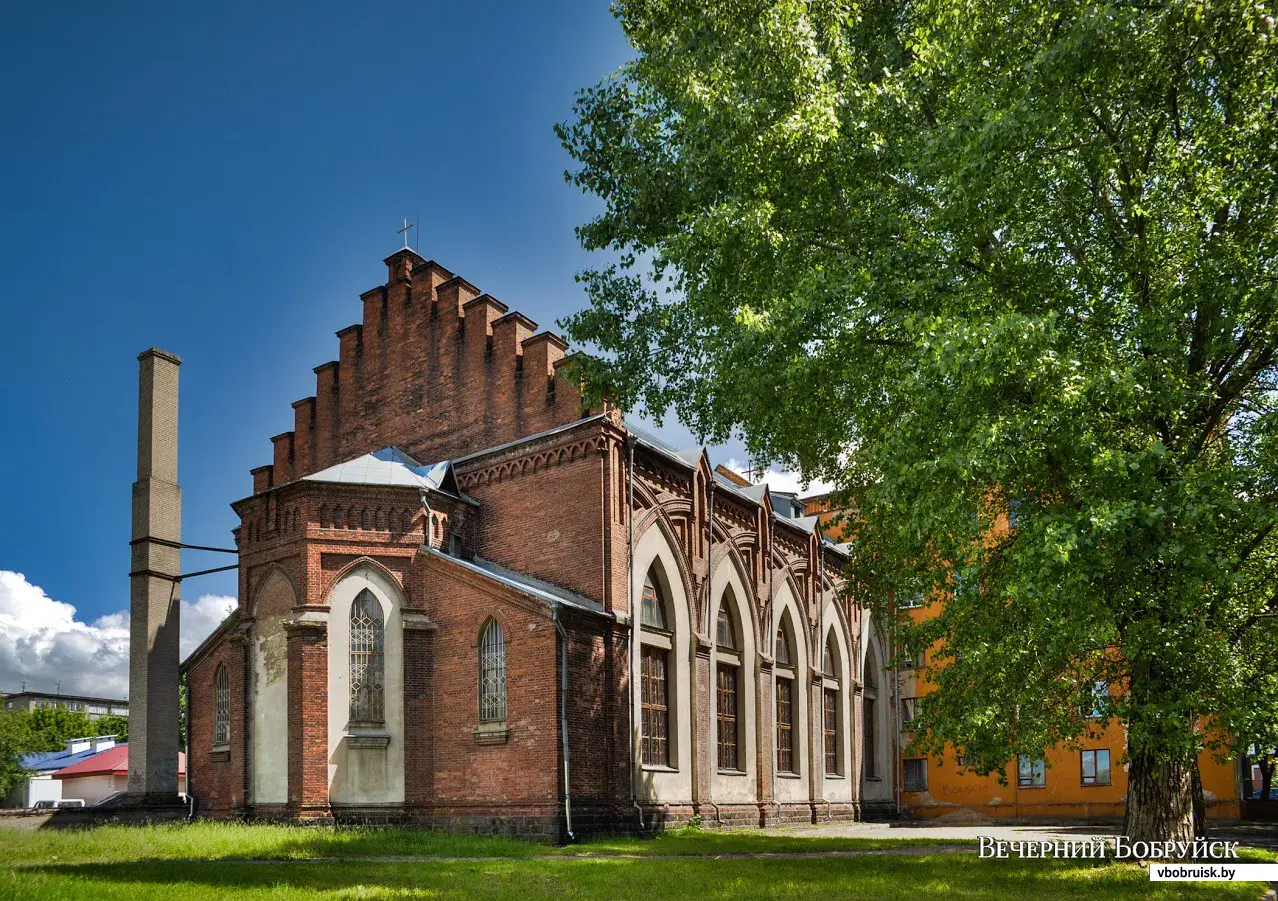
<point>468,601</point>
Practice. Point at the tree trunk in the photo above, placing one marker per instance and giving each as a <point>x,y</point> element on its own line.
<point>1267,764</point>
<point>1200,803</point>
<point>1160,799</point>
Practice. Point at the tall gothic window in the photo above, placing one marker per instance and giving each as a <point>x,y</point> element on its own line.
<point>656,707</point>
<point>785,725</point>
<point>785,674</point>
<point>221,707</point>
<point>492,673</point>
<point>368,659</point>
<point>728,668</point>
<point>654,675</point>
<point>869,706</point>
<point>830,705</point>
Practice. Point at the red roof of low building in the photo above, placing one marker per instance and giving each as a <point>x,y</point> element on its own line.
<point>111,762</point>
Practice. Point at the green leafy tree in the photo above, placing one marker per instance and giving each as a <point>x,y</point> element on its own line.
<point>51,727</point>
<point>113,724</point>
<point>15,740</point>
<point>961,257</point>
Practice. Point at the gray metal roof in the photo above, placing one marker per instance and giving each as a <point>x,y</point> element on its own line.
<point>802,523</point>
<point>527,438</point>
<point>525,584</point>
<point>388,466</point>
<point>392,467</point>
<point>684,458</point>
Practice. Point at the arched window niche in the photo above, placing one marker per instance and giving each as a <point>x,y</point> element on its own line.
<point>832,719</point>
<point>365,631</point>
<point>785,670</point>
<point>879,770</point>
<point>661,668</point>
<point>728,686</point>
<point>656,666</point>
<point>734,683</point>
<point>870,762</point>
<point>792,696</point>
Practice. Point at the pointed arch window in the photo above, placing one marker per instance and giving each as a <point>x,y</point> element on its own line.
<point>492,673</point>
<point>725,630</point>
<point>787,760</point>
<point>832,709</point>
<point>654,675</point>
<point>652,609</point>
<point>784,649</point>
<point>830,664</point>
<point>368,659</point>
<point>869,713</point>
<point>221,707</point>
<point>727,679</point>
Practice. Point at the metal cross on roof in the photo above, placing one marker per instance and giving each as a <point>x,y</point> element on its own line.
<point>404,231</point>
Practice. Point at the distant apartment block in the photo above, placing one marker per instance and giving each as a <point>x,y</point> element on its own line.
<point>94,707</point>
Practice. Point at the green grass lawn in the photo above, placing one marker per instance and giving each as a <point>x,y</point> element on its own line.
<point>209,860</point>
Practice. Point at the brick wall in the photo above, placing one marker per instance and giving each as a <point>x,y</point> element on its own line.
<point>307,728</point>
<point>598,722</point>
<point>435,367</point>
<point>522,770</point>
<point>217,779</point>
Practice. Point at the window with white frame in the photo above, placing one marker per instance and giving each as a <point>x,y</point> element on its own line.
<point>910,601</point>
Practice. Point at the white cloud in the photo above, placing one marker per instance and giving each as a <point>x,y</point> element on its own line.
<point>783,480</point>
<point>43,643</point>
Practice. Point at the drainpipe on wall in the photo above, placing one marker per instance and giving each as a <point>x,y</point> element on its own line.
<point>772,612</point>
<point>633,618</point>
<point>428,518</point>
<point>898,767</point>
<point>563,714</point>
<point>186,748</point>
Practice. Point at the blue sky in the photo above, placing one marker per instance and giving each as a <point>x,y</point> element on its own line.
<point>223,181</point>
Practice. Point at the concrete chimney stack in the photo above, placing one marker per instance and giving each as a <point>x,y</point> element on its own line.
<point>154,602</point>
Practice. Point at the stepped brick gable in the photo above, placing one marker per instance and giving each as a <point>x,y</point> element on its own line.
<point>435,367</point>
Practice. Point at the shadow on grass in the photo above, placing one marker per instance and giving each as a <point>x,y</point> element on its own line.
<point>885,878</point>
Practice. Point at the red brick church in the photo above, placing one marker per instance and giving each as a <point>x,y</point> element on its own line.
<point>467,600</point>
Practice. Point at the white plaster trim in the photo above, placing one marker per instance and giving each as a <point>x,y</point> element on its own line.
<point>797,789</point>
